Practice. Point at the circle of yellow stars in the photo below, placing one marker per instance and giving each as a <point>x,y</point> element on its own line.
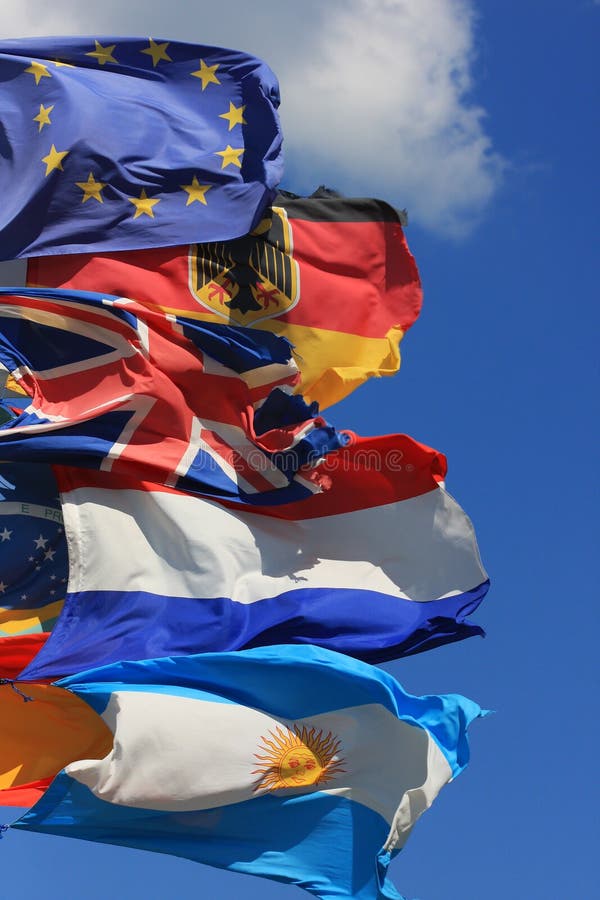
<point>91,188</point>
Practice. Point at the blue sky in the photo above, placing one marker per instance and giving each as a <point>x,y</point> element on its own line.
<point>500,373</point>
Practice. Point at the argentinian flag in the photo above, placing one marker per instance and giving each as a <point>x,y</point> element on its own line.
<point>290,762</point>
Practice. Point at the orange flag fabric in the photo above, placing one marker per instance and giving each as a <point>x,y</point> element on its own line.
<point>44,728</point>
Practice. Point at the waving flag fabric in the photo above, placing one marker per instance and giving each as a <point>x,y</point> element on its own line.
<point>383,564</point>
<point>43,729</point>
<point>293,763</point>
<point>16,652</point>
<point>120,388</point>
<point>121,143</point>
<point>25,794</point>
<point>33,549</point>
<point>333,275</point>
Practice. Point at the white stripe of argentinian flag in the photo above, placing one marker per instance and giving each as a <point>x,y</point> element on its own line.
<point>179,753</point>
<point>419,549</point>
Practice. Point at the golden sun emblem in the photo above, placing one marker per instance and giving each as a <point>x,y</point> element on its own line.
<point>299,758</point>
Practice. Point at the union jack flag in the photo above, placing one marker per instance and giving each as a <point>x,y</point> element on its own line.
<point>197,406</point>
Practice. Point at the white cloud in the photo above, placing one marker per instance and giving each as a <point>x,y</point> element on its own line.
<point>389,81</point>
<point>375,93</point>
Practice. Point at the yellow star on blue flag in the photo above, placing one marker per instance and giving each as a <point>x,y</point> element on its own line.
<point>91,183</point>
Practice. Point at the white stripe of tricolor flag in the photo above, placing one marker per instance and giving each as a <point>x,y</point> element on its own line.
<point>419,549</point>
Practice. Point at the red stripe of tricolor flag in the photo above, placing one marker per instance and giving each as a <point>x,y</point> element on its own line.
<point>370,471</point>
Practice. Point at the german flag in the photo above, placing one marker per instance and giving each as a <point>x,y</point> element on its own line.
<point>332,275</point>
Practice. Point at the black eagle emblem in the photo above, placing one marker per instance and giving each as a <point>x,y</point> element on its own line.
<point>252,277</point>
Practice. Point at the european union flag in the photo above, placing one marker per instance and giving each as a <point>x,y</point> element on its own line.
<point>124,143</point>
